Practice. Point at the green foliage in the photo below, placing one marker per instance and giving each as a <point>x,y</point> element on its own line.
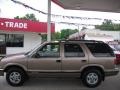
<point>63,34</point>
<point>109,26</point>
<point>56,36</point>
<point>28,17</point>
<point>44,37</point>
<point>66,32</point>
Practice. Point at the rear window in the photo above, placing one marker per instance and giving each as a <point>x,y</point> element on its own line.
<point>100,49</point>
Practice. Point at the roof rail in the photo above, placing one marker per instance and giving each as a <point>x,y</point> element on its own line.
<point>81,41</point>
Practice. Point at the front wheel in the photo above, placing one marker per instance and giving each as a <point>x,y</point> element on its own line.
<point>15,77</point>
<point>92,78</point>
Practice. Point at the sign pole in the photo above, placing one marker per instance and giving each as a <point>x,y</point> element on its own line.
<point>49,21</point>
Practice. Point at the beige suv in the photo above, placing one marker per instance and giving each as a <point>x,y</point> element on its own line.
<point>89,60</point>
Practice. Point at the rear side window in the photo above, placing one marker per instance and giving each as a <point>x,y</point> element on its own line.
<point>100,49</point>
<point>73,50</point>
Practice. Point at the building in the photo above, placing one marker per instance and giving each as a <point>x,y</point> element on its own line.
<point>96,34</point>
<point>18,36</point>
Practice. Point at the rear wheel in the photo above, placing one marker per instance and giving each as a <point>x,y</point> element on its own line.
<point>92,78</point>
<point>15,76</point>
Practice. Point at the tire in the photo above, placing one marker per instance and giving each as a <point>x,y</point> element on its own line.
<point>15,76</point>
<point>92,78</point>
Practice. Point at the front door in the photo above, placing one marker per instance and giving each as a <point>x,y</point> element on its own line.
<point>46,59</point>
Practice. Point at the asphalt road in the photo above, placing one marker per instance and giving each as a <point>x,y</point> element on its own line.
<point>111,83</point>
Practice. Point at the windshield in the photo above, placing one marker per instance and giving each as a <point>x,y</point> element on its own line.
<point>32,50</point>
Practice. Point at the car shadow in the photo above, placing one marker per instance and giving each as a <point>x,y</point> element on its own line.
<point>54,83</point>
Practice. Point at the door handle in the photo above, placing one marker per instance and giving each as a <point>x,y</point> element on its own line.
<point>84,60</point>
<point>58,61</point>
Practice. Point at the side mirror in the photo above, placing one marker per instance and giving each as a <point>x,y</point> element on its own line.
<point>35,56</point>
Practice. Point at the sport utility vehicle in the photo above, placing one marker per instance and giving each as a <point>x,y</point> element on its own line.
<point>89,60</point>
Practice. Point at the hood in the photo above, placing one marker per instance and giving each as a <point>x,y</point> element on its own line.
<point>10,55</point>
<point>17,56</point>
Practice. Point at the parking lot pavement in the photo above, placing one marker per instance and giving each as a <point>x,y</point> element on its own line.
<point>111,83</point>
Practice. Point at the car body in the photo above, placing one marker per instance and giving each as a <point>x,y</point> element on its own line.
<point>87,59</point>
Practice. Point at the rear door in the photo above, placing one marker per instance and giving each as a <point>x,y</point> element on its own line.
<point>74,57</point>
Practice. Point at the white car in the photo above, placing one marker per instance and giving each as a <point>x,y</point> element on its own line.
<point>117,53</point>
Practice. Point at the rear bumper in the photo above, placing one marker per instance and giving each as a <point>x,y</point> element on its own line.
<point>1,72</point>
<point>112,72</point>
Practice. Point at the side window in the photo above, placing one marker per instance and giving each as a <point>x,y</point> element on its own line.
<point>100,49</point>
<point>49,50</point>
<point>73,50</point>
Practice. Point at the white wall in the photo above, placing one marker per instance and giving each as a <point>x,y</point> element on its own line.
<point>114,34</point>
<point>99,38</point>
<point>30,41</point>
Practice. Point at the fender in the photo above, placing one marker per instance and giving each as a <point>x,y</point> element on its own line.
<point>15,64</point>
<point>91,65</point>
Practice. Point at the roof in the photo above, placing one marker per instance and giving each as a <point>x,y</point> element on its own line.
<point>90,5</point>
<point>74,41</point>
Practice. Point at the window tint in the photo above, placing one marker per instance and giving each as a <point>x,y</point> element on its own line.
<point>100,49</point>
<point>14,40</point>
<point>2,44</point>
<point>73,50</point>
<point>49,50</point>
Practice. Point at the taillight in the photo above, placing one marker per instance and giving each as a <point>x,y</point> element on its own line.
<point>117,60</point>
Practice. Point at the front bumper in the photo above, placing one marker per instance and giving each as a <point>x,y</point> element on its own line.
<point>112,72</point>
<point>1,72</point>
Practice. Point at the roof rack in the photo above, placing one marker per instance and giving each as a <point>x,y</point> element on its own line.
<point>87,41</point>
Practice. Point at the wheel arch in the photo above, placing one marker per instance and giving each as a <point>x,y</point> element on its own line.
<point>94,67</point>
<point>14,66</point>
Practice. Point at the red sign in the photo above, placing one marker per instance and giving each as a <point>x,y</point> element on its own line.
<point>24,25</point>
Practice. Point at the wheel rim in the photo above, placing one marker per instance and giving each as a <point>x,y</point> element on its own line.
<point>92,78</point>
<point>15,77</point>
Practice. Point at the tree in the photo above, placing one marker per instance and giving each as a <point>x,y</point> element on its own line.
<point>63,34</point>
<point>28,17</point>
<point>56,36</point>
<point>66,32</point>
<point>44,37</point>
<point>108,25</point>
